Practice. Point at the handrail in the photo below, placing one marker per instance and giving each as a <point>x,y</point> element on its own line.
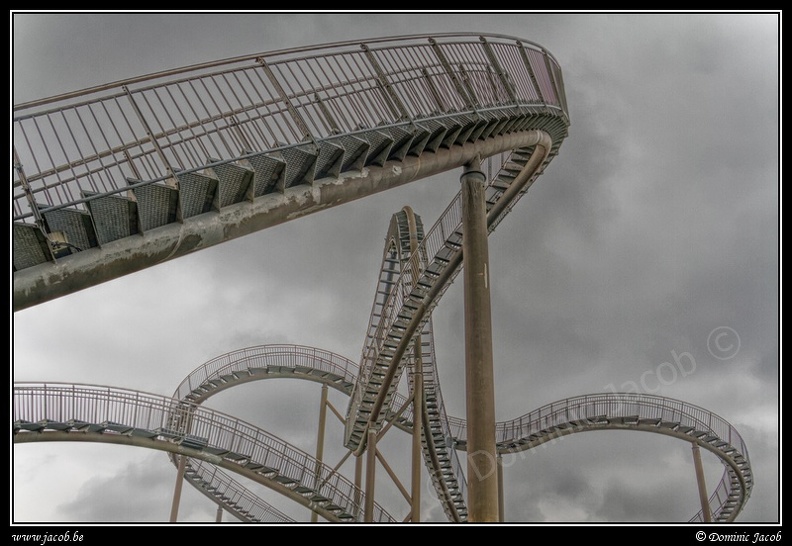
<point>146,128</point>
<point>165,419</point>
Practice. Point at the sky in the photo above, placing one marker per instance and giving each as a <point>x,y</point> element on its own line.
<point>655,230</point>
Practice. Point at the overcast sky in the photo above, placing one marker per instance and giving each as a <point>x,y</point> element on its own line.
<point>656,225</point>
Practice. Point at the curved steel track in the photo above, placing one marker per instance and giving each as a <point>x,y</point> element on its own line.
<point>62,412</point>
<point>117,178</point>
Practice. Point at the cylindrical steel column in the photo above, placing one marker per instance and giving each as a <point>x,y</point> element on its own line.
<point>358,479</point>
<point>501,508</point>
<point>320,441</point>
<point>219,516</point>
<point>417,465</point>
<point>178,488</point>
<point>702,487</point>
<point>479,375</point>
<point>371,462</point>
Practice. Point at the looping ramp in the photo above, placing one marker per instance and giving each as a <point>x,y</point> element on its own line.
<point>60,412</point>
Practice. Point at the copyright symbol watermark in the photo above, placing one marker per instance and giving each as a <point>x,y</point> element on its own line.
<point>701,535</point>
<point>723,343</point>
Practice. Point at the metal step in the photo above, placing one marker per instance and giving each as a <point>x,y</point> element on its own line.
<point>402,141</point>
<point>380,145</point>
<point>469,124</point>
<point>196,194</point>
<point>355,151</point>
<point>437,132</point>
<point>30,246</point>
<point>268,174</point>
<point>233,182</point>
<point>75,225</point>
<point>454,127</point>
<point>420,138</point>
<point>156,205</point>
<point>114,217</point>
<point>329,162</point>
<point>490,122</point>
<point>300,165</point>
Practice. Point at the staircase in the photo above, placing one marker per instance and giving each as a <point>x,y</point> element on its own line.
<point>118,178</point>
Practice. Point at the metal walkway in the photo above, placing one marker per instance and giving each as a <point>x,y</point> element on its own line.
<point>124,176</point>
<point>214,441</point>
<point>88,413</point>
<point>120,177</point>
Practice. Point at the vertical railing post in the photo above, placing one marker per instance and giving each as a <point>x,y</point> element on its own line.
<point>26,188</point>
<point>358,481</point>
<point>451,74</point>
<point>395,104</point>
<point>298,120</point>
<point>551,76</point>
<point>531,74</point>
<point>501,501</point>
<point>493,59</point>
<point>148,130</point>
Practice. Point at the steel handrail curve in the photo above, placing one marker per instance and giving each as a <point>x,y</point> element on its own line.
<point>214,483</point>
<point>75,404</point>
<point>239,361</point>
<point>402,288</point>
<point>404,258</point>
<point>146,128</point>
<point>512,436</point>
<point>592,408</point>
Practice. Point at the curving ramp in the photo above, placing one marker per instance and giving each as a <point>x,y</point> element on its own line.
<point>65,412</point>
<point>121,177</point>
<point>60,412</point>
<point>640,412</point>
<point>234,497</point>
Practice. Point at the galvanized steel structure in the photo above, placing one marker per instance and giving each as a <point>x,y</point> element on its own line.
<point>121,177</point>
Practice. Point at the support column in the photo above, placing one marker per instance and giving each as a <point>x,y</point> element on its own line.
<point>501,507</point>
<point>417,465</point>
<point>479,375</point>
<point>358,480</point>
<point>320,442</point>
<point>702,487</point>
<point>178,488</point>
<point>219,516</point>
<point>371,462</point>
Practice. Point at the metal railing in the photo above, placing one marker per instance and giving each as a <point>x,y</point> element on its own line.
<point>266,356</point>
<point>435,242</point>
<point>598,409</point>
<point>145,129</point>
<point>213,482</point>
<point>178,420</point>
